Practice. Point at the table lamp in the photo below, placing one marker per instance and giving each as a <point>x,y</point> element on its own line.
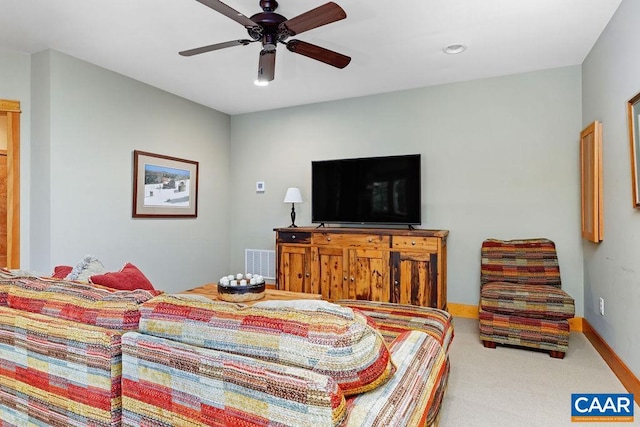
<point>293,196</point>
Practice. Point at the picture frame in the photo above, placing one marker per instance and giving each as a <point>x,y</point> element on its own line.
<point>633,110</point>
<point>164,186</point>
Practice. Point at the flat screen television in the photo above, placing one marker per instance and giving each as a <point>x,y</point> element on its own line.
<point>371,190</point>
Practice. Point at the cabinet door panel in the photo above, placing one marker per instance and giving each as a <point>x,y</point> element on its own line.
<point>369,275</point>
<point>328,275</point>
<point>293,271</point>
<point>415,279</point>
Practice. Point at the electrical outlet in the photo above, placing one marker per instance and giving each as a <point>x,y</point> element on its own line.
<point>601,306</point>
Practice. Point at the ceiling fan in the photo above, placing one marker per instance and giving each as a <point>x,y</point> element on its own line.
<point>271,28</point>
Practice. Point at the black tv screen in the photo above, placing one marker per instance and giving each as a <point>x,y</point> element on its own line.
<point>373,190</point>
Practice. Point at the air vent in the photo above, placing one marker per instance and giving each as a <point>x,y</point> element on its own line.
<point>262,262</point>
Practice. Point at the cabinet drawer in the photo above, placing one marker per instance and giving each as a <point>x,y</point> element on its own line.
<point>413,242</point>
<point>351,240</point>
<point>293,237</point>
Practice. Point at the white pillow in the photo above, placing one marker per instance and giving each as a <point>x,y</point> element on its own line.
<point>87,267</point>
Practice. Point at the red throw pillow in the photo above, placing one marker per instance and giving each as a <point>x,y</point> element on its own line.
<point>128,279</point>
<point>61,271</point>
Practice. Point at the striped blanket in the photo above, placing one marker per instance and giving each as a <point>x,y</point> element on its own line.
<point>60,351</point>
<point>173,375</point>
<point>394,319</point>
<point>54,372</point>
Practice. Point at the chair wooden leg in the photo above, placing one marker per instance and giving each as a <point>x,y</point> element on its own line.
<point>556,354</point>
<point>489,344</point>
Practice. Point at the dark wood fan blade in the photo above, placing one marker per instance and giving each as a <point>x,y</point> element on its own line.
<point>267,66</point>
<point>216,46</point>
<point>229,12</point>
<point>321,15</point>
<point>318,53</point>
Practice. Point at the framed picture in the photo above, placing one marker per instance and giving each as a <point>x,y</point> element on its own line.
<point>164,186</point>
<point>633,107</point>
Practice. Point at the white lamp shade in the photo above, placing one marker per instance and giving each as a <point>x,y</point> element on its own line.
<point>293,195</point>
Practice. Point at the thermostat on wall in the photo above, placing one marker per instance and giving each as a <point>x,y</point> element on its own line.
<point>260,187</point>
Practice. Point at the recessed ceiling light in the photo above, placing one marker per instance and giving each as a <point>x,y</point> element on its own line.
<point>454,49</point>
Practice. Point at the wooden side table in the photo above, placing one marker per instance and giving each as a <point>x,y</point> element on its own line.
<point>210,290</point>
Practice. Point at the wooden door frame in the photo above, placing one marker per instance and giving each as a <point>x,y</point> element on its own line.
<point>12,111</point>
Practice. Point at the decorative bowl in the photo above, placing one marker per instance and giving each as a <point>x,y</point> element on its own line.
<point>240,293</point>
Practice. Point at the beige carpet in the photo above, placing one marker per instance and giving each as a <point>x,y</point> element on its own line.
<point>520,388</point>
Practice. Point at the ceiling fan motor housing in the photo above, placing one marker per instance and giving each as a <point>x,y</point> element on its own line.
<point>268,5</point>
<point>268,32</point>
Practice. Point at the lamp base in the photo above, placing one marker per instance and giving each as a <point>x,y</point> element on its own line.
<point>293,216</point>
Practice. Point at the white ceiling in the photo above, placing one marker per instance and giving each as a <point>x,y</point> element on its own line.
<point>394,45</point>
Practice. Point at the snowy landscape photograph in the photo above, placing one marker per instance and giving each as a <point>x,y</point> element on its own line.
<point>164,186</point>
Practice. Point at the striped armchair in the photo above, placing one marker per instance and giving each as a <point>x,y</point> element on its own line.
<point>521,300</point>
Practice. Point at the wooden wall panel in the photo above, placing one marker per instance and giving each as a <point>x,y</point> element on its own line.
<point>11,110</point>
<point>3,210</point>
<point>591,177</point>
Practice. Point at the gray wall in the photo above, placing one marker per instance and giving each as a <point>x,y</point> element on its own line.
<point>90,121</point>
<point>40,166</point>
<point>500,159</point>
<point>612,271</point>
<point>15,72</point>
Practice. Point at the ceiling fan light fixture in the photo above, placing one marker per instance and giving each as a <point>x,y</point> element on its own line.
<point>261,82</point>
<point>454,49</point>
